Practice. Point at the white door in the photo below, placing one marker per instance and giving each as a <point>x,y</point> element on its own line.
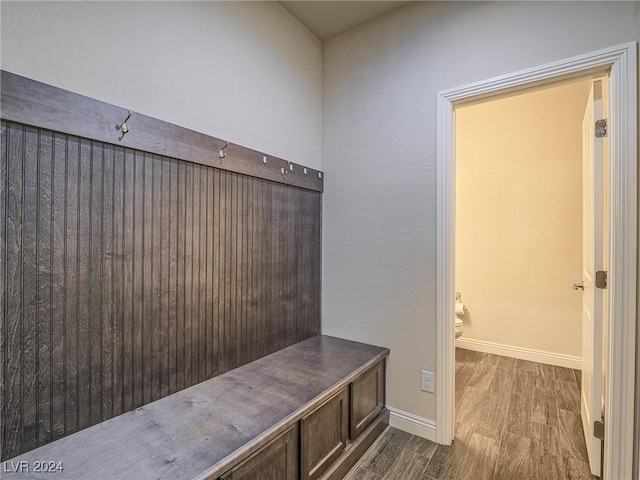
<point>592,252</point>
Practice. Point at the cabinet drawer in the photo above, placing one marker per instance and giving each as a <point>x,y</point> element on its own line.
<point>277,460</point>
<point>367,399</point>
<point>324,435</point>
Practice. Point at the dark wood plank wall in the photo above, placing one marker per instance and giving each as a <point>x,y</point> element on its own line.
<point>127,276</point>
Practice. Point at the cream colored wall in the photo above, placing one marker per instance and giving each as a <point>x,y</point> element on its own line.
<point>380,83</point>
<point>519,218</point>
<point>248,72</point>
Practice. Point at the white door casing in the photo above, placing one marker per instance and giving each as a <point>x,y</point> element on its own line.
<point>620,62</point>
<point>592,261</point>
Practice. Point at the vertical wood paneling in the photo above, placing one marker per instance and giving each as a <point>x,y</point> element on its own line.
<point>3,271</point>
<point>160,276</point>
<point>127,276</point>
<point>251,287</point>
<point>126,260</point>
<point>148,315</point>
<point>203,263</point>
<point>95,272</point>
<point>216,295</point>
<point>117,281</point>
<point>313,216</point>
<point>172,276</point>
<point>249,336</point>
<point>83,286</point>
<point>13,291</point>
<point>224,261</point>
<point>262,271</point>
<point>29,280</point>
<point>232,280</point>
<point>290,264</point>
<point>279,282</point>
<point>196,341</point>
<point>246,340</point>
<point>211,323</point>
<point>269,334</point>
<point>180,273</point>
<point>57,306</point>
<point>105,297</point>
<point>138,287</point>
<point>43,240</point>
<point>157,323</point>
<point>188,275</point>
<point>70,265</point>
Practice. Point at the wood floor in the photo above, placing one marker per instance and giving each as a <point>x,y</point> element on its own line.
<point>514,420</point>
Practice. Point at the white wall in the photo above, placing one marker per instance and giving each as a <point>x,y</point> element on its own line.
<point>519,218</point>
<point>248,72</point>
<point>379,154</point>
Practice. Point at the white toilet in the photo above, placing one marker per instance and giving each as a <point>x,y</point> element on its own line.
<point>459,327</point>
<point>459,312</point>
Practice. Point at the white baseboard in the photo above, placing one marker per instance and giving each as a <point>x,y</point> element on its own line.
<point>540,356</point>
<point>420,426</point>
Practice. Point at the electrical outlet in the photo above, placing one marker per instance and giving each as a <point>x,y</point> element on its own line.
<point>428,383</point>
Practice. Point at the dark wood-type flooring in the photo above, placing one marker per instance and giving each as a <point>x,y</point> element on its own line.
<point>514,420</point>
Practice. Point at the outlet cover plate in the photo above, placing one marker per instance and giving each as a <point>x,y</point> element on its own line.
<point>427,382</point>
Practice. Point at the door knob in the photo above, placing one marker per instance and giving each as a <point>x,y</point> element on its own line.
<point>578,286</point>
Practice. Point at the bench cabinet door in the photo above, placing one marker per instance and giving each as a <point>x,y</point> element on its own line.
<point>324,435</point>
<point>277,460</point>
<point>367,399</point>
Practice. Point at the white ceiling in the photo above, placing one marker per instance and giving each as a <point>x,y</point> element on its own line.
<point>327,18</point>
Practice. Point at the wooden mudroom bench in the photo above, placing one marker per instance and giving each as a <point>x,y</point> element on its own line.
<point>308,411</point>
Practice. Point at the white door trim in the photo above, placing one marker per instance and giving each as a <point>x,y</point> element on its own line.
<point>621,62</point>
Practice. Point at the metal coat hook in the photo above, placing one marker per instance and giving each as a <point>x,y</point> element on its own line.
<point>221,154</point>
<point>123,126</point>
<point>287,169</point>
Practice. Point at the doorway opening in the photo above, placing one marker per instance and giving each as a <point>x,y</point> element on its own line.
<point>525,224</point>
<point>621,193</point>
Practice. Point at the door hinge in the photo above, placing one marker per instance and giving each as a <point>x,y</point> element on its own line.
<point>601,279</point>
<point>598,430</point>
<point>601,128</point>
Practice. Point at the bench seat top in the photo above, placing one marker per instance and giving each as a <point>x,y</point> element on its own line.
<point>202,431</point>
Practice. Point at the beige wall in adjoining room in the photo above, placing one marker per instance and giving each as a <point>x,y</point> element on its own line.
<point>247,72</point>
<point>518,241</point>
